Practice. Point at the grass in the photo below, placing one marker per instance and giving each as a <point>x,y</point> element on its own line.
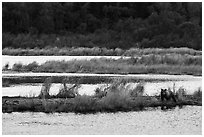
<point>96,51</point>
<point>145,64</point>
<point>44,93</point>
<point>63,51</point>
<point>146,51</point>
<point>8,81</point>
<point>119,97</point>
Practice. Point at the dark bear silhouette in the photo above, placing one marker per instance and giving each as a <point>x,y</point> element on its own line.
<point>167,95</point>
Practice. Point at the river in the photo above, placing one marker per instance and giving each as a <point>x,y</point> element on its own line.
<point>150,88</point>
<point>185,121</point>
<point>190,83</point>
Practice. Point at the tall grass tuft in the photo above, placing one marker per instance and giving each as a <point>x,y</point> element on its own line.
<point>44,93</point>
<point>198,93</point>
<point>181,94</point>
<point>138,90</point>
<point>68,92</point>
<point>100,92</point>
<point>119,96</point>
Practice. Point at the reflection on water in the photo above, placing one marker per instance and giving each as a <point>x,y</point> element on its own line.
<point>187,120</point>
<point>150,88</point>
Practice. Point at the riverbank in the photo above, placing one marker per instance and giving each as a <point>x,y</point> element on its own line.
<point>114,97</point>
<point>96,51</point>
<point>89,104</point>
<point>173,64</point>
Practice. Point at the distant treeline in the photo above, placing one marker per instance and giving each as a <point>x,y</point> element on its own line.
<point>98,24</point>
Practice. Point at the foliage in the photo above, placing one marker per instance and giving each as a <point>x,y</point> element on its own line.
<point>92,24</point>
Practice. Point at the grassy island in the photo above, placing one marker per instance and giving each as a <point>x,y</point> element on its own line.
<point>118,96</point>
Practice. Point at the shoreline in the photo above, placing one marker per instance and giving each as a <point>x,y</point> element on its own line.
<point>89,104</point>
<point>87,78</point>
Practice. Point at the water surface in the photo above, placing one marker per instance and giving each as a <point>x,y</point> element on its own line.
<point>150,88</point>
<point>185,121</point>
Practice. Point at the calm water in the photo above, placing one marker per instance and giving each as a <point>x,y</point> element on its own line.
<point>190,83</point>
<point>187,120</point>
<point>150,88</point>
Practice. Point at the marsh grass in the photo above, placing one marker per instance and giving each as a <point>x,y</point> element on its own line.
<point>95,51</point>
<point>145,51</point>
<point>6,83</point>
<point>68,92</point>
<point>154,64</point>
<point>120,96</point>
<point>181,94</point>
<point>198,94</point>
<point>44,93</point>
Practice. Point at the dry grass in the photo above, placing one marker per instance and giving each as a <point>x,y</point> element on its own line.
<point>119,97</point>
<point>154,64</point>
<point>44,93</point>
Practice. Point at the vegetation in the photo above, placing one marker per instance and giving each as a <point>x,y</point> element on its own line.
<point>112,25</point>
<point>68,92</point>
<point>44,93</point>
<point>152,34</point>
<point>95,51</point>
<point>152,63</point>
<point>119,97</point>
<point>7,81</point>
